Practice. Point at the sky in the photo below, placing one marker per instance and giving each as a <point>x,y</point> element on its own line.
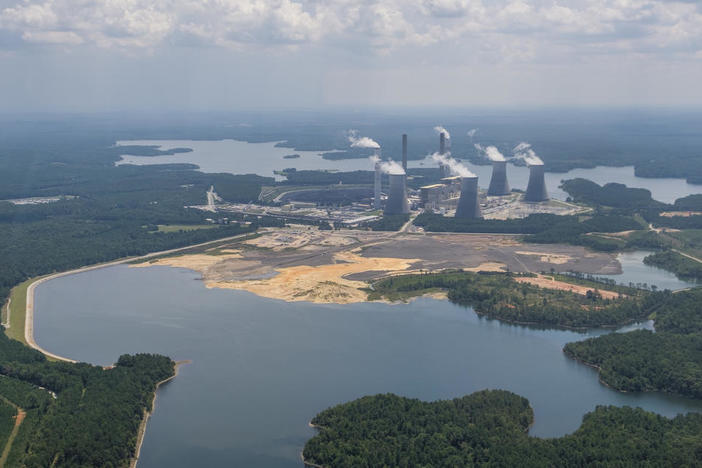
<point>103,55</point>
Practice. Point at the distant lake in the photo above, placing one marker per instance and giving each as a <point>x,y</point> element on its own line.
<point>240,157</point>
<point>263,368</point>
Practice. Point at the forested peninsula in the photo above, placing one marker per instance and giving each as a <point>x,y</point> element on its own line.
<point>489,428</point>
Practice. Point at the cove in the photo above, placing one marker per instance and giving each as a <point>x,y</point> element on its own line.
<point>262,368</point>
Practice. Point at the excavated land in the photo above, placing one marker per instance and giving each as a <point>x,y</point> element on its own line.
<point>304,264</point>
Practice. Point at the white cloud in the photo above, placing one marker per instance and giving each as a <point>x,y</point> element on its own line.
<point>506,30</point>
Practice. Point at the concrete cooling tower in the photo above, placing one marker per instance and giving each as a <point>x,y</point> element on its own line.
<point>397,196</point>
<point>536,188</point>
<point>468,206</point>
<point>442,143</point>
<point>498,183</point>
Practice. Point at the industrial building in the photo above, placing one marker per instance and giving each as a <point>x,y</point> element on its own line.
<point>444,194</point>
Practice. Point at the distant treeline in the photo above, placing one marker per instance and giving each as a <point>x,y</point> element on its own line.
<point>612,194</point>
<point>489,428</point>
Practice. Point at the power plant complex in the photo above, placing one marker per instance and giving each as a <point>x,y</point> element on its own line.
<point>454,190</point>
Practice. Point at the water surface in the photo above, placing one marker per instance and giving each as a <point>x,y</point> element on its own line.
<point>240,157</point>
<point>263,368</point>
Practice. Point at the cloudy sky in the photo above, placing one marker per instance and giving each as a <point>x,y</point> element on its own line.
<point>221,54</point>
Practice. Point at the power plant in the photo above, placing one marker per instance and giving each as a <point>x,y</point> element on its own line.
<point>536,188</point>
<point>404,151</point>
<point>498,183</point>
<point>468,206</point>
<point>397,196</point>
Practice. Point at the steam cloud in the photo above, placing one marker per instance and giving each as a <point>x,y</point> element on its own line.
<point>471,133</point>
<point>439,130</point>
<point>523,151</point>
<point>361,142</point>
<point>491,152</point>
<point>456,167</point>
<point>388,167</point>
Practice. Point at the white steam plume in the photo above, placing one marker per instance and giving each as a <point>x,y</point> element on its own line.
<point>491,152</point>
<point>388,167</point>
<point>361,142</point>
<point>439,130</point>
<point>471,133</point>
<point>456,167</point>
<point>523,151</point>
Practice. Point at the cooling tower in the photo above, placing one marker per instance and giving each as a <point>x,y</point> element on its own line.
<point>404,151</point>
<point>442,143</point>
<point>468,206</point>
<point>376,186</point>
<point>397,197</point>
<point>498,182</point>
<point>536,188</point>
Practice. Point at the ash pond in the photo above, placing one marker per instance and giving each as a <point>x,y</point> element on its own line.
<point>262,368</point>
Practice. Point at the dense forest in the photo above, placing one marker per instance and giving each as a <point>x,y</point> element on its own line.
<point>489,428</point>
<point>684,268</point>
<point>668,360</point>
<point>500,296</point>
<point>92,416</point>
<point>612,194</point>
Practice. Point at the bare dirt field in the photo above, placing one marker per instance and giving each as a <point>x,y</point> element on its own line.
<point>549,283</point>
<point>303,264</point>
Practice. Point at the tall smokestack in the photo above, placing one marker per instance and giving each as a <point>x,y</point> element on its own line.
<point>442,143</point>
<point>468,206</point>
<point>376,186</point>
<point>404,151</point>
<point>536,188</point>
<point>397,197</point>
<point>498,183</point>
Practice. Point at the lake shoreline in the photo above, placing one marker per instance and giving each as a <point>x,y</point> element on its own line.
<point>147,414</point>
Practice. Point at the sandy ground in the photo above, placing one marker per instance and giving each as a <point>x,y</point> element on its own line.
<point>323,283</point>
<point>549,283</point>
<point>556,259</point>
<point>300,264</point>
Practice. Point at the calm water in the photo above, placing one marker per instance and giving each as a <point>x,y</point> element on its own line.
<point>635,271</point>
<point>263,368</point>
<point>239,157</point>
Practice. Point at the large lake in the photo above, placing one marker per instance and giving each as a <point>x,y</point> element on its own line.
<point>240,157</point>
<point>261,368</point>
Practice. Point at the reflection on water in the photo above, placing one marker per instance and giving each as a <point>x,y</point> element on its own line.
<point>263,368</point>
